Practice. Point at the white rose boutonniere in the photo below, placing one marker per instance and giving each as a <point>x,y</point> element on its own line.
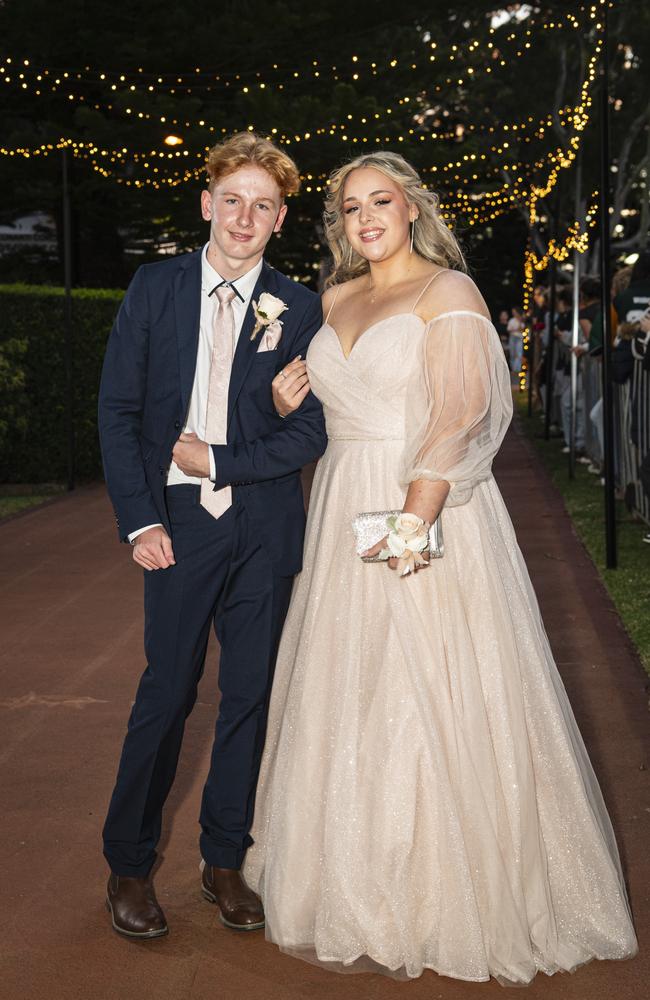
<point>267,312</point>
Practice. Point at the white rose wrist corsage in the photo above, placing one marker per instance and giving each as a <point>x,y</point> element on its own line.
<point>404,536</point>
<point>407,540</point>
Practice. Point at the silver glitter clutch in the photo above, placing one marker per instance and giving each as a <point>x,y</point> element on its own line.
<point>370,528</point>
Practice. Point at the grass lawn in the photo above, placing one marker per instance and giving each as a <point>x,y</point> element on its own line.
<point>629,585</point>
<point>11,505</point>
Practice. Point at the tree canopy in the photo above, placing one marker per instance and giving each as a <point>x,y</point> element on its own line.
<point>491,104</point>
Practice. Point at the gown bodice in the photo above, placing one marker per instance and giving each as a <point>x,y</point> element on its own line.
<point>364,395</point>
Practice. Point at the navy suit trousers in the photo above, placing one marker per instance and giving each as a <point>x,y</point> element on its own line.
<point>222,576</point>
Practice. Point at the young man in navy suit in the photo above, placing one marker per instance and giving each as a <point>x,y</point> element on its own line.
<point>204,476</point>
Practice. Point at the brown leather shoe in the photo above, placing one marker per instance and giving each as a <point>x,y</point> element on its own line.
<point>134,909</point>
<point>241,909</point>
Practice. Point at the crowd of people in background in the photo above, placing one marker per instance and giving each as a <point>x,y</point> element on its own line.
<point>584,431</point>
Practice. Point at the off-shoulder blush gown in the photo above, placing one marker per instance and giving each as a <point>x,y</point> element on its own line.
<point>425,799</point>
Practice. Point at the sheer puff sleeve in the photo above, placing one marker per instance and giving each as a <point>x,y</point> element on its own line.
<point>459,404</point>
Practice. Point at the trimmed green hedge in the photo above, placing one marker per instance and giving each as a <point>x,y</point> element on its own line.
<point>33,392</point>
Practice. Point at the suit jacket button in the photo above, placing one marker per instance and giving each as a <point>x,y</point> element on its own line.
<point>177,424</point>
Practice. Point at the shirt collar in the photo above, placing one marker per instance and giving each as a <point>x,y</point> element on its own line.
<point>211,277</point>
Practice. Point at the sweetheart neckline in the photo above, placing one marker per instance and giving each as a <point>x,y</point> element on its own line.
<point>345,356</point>
<point>425,323</point>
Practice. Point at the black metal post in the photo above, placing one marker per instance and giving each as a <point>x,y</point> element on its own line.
<point>550,347</point>
<point>606,284</point>
<point>530,353</point>
<point>575,337</point>
<point>531,368</point>
<point>575,331</point>
<point>67,318</point>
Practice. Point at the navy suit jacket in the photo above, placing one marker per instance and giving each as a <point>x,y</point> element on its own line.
<point>145,392</point>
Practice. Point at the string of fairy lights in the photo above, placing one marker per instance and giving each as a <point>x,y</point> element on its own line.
<point>525,131</point>
<point>134,96</point>
<point>103,160</point>
<point>25,76</point>
<point>42,79</point>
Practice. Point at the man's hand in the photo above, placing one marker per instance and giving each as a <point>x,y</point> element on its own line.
<point>290,387</point>
<point>191,456</point>
<point>153,549</point>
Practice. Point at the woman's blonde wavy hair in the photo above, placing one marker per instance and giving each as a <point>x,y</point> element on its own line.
<point>432,238</point>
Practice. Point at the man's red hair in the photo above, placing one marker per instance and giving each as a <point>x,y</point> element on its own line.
<point>246,147</point>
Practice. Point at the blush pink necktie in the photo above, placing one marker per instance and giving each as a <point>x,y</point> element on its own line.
<point>217,502</point>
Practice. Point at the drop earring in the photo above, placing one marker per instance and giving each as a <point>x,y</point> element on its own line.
<point>412,234</point>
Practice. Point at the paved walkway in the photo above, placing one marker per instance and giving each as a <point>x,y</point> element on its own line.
<point>70,658</point>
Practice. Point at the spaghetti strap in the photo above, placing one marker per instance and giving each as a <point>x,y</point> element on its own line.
<point>431,279</point>
<point>329,311</point>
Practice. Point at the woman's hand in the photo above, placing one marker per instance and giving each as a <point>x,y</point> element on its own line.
<point>376,549</point>
<point>392,562</point>
<point>290,386</point>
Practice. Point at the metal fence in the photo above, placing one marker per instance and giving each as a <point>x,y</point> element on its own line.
<point>631,428</point>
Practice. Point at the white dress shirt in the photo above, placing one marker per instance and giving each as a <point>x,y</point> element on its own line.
<point>197,411</point>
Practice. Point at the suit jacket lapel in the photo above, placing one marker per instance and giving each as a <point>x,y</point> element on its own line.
<point>187,310</point>
<point>247,348</point>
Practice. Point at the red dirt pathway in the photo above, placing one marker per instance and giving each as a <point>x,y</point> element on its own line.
<point>70,658</point>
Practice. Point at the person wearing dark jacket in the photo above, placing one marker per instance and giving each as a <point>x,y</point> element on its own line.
<point>204,476</point>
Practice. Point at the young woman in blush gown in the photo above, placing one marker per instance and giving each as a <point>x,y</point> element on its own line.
<point>426,800</point>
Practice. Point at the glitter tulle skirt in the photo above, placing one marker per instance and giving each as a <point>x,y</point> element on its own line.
<point>426,800</point>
